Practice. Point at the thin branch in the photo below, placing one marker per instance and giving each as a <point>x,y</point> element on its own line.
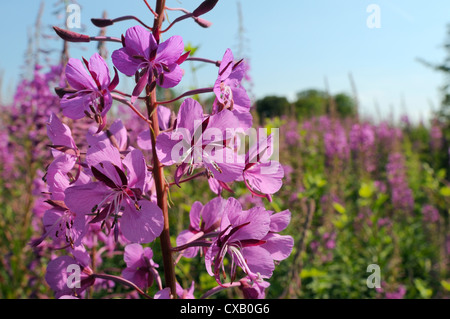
<point>217,63</point>
<point>184,17</point>
<point>131,18</point>
<point>123,282</point>
<point>188,179</point>
<point>150,8</point>
<point>188,93</point>
<point>105,38</point>
<point>131,106</point>
<point>217,289</point>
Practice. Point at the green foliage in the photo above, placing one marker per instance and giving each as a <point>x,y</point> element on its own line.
<point>309,103</point>
<point>271,106</point>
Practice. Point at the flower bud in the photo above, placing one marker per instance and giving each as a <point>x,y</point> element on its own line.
<point>71,36</point>
<point>101,23</point>
<point>203,23</point>
<point>205,7</point>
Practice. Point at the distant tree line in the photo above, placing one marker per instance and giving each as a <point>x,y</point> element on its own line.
<point>308,103</point>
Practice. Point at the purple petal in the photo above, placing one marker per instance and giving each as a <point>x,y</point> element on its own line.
<point>266,178</point>
<point>170,50</point>
<point>82,199</point>
<point>190,112</point>
<point>171,78</point>
<point>280,247</point>
<point>74,107</point>
<point>224,120</point>
<point>77,76</point>
<point>117,129</point>
<point>56,275</point>
<point>144,141</point>
<point>140,86</point>
<point>144,225</point>
<point>279,221</point>
<point>98,66</point>
<point>59,133</point>
<point>108,100</point>
<point>212,213</point>
<point>230,164</point>
<point>163,294</point>
<point>166,148</point>
<point>242,102</point>
<point>195,215</point>
<point>182,239</point>
<point>226,65</point>
<point>258,219</point>
<point>164,116</point>
<point>125,63</point>
<point>259,260</point>
<point>140,41</point>
<point>138,277</point>
<point>133,255</point>
<point>57,179</point>
<point>215,186</point>
<point>238,72</point>
<point>136,168</point>
<point>103,152</point>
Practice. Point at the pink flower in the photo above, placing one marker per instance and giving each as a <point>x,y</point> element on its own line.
<point>261,175</point>
<point>92,95</point>
<point>158,63</point>
<point>141,269</point>
<point>230,94</point>
<point>57,275</point>
<point>201,141</point>
<point>203,220</point>
<point>250,239</point>
<point>181,293</point>
<point>117,194</point>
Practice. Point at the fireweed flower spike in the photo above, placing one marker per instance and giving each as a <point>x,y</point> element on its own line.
<point>102,185</point>
<point>92,96</point>
<point>157,63</point>
<point>117,194</point>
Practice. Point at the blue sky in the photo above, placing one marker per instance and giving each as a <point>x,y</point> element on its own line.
<point>292,45</point>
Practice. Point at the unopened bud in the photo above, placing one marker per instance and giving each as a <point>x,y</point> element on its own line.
<point>101,23</point>
<point>62,91</point>
<point>203,23</point>
<point>205,7</point>
<point>71,36</point>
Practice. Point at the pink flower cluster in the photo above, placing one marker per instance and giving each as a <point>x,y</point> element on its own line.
<point>106,189</point>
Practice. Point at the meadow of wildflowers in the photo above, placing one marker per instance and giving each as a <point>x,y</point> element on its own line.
<point>152,194</point>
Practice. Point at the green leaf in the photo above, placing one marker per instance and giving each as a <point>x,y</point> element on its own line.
<point>311,273</point>
<point>424,291</point>
<point>366,190</point>
<point>445,191</point>
<point>339,208</point>
<point>445,284</point>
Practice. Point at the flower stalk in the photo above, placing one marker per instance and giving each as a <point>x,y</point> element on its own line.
<point>158,170</point>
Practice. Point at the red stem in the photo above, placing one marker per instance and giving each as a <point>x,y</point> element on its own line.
<point>158,170</point>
